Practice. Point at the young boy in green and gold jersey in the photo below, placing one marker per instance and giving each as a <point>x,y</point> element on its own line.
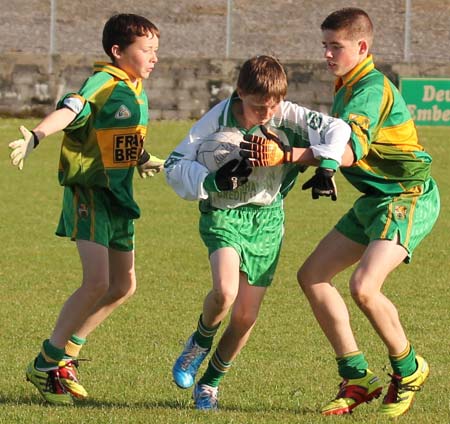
<point>105,124</point>
<point>398,208</point>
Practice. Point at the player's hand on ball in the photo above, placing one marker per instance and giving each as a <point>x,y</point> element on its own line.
<point>230,176</point>
<point>322,184</point>
<point>22,147</point>
<point>265,151</point>
<point>149,165</point>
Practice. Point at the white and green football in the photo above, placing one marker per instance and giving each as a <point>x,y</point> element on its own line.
<point>219,148</point>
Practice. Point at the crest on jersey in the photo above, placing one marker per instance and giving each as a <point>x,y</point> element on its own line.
<point>122,113</point>
<point>314,120</point>
<point>400,212</point>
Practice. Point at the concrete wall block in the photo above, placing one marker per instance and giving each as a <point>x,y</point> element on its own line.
<point>170,114</point>
<point>155,114</point>
<point>189,99</point>
<point>193,84</point>
<point>159,81</point>
<point>25,74</point>
<point>184,71</point>
<point>160,98</point>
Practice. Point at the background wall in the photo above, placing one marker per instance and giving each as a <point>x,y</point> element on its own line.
<point>200,53</point>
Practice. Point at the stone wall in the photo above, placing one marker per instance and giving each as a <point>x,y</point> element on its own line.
<point>176,89</point>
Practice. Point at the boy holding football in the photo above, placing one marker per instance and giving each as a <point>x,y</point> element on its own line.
<point>398,208</point>
<point>105,124</point>
<point>241,210</point>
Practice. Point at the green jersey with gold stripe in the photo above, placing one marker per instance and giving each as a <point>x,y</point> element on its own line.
<point>389,157</point>
<point>101,146</point>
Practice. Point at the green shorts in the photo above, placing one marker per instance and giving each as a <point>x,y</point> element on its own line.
<point>88,214</point>
<point>255,232</point>
<point>382,217</point>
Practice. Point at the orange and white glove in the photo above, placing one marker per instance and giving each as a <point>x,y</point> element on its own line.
<point>265,151</point>
<point>22,147</point>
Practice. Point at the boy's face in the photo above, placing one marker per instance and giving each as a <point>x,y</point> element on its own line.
<point>257,110</point>
<point>342,53</point>
<point>139,58</point>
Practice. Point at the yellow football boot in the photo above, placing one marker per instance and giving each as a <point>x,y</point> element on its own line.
<point>400,395</point>
<point>49,385</point>
<point>354,392</point>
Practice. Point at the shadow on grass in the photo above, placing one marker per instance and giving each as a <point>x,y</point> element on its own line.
<point>159,404</point>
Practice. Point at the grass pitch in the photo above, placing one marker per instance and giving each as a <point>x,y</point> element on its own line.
<point>287,370</point>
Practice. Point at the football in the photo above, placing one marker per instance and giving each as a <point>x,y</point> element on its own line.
<point>219,148</point>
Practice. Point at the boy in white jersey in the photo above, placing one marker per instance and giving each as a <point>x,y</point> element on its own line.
<point>242,217</point>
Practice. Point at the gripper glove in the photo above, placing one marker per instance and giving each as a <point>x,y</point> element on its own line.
<point>22,147</point>
<point>149,165</point>
<point>229,177</point>
<point>265,151</point>
<point>322,184</point>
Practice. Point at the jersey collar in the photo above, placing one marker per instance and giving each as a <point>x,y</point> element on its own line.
<point>118,73</point>
<point>355,74</point>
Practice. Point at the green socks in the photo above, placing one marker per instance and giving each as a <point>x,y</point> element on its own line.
<point>404,364</point>
<point>204,336</point>
<point>217,368</point>
<point>352,365</point>
<point>49,356</point>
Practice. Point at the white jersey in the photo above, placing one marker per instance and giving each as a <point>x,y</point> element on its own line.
<point>293,124</point>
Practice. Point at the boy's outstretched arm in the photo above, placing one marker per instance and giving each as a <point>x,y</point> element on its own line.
<point>52,123</point>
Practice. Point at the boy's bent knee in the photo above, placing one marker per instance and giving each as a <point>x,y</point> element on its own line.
<point>361,295</point>
<point>122,292</point>
<point>95,289</point>
<point>223,299</point>
<point>303,278</point>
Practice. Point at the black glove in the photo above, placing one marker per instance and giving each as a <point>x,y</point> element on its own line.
<point>322,184</point>
<point>229,177</point>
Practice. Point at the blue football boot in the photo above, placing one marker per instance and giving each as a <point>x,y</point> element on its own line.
<point>188,363</point>
<point>205,397</point>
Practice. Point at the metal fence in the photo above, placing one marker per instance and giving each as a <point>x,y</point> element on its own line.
<point>406,30</point>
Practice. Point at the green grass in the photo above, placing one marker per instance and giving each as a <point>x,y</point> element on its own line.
<point>287,370</point>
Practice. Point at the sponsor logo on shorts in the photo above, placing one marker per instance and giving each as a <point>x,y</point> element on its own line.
<point>400,212</point>
<point>83,210</point>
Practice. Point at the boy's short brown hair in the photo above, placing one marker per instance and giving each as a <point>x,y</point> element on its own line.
<point>263,76</point>
<point>356,22</point>
<point>122,30</point>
